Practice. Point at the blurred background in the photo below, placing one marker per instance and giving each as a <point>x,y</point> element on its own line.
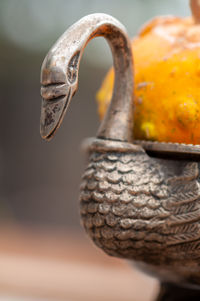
<point>39,181</point>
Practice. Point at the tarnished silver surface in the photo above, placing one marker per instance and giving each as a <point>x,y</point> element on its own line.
<point>171,150</point>
<point>142,208</point>
<point>133,205</point>
<point>59,79</point>
<point>59,76</point>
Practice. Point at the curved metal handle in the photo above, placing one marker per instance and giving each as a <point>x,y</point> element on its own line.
<point>59,76</point>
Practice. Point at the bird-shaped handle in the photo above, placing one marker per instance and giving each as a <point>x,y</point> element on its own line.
<point>59,79</point>
<point>59,76</point>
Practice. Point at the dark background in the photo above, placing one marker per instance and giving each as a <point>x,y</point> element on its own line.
<point>40,180</point>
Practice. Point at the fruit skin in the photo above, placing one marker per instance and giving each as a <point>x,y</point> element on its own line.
<point>167,81</point>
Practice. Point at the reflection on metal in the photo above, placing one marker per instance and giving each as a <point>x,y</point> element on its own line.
<point>133,205</point>
<point>59,76</point>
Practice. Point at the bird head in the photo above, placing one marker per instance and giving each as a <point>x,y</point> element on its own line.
<point>59,82</point>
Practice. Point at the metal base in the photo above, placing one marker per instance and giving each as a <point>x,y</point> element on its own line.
<point>171,292</point>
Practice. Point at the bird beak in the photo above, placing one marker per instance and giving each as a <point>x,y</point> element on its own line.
<point>56,95</point>
<point>52,113</point>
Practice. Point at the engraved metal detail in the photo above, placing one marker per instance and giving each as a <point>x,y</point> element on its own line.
<point>142,208</point>
<point>133,206</point>
<point>59,76</point>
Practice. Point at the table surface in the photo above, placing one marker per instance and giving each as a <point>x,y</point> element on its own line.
<point>40,265</point>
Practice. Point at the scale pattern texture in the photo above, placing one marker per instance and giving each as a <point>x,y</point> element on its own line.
<point>144,209</point>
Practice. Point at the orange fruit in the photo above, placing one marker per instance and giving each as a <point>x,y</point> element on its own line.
<point>167,81</point>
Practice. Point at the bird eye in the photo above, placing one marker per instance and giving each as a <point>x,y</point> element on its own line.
<point>73,68</point>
